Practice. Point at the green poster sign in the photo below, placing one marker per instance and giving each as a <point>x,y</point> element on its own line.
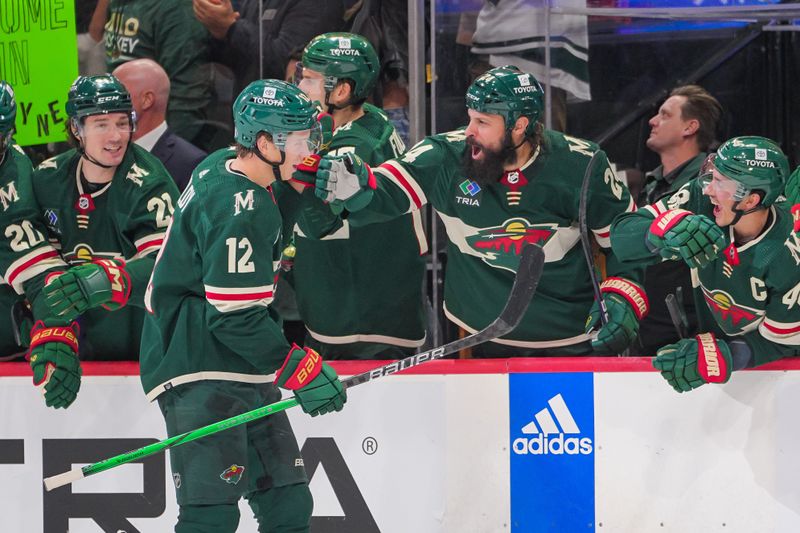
<point>39,58</point>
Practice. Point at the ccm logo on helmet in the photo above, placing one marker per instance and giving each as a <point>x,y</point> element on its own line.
<point>102,99</point>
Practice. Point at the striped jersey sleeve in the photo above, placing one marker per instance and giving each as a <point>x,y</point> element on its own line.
<point>25,251</point>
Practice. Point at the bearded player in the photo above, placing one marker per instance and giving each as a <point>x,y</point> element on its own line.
<point>500,183</point>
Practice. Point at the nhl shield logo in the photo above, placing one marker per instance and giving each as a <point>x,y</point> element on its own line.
<point>176,477</point>
<point>232,474</point>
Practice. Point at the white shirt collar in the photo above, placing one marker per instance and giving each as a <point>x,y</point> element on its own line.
<point>149,139</point>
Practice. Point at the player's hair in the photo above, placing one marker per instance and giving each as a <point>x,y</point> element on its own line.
<point>243,151</point>
<point>704,108</point>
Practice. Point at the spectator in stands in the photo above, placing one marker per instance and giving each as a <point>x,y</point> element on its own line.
<point>681,133</point>
<point>512,32</point>
<point>285,27</point>
<point>346,271</point>
<point>148,85</point>
<point>385,24</point>
<point>107,204</point>
<point>89,20</point>
<point>728,226</point>
<point>166,32</point>
<point>501,182</point>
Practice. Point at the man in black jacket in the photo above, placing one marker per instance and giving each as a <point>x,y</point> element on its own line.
<point>286,27</point>
<point>149,87</point>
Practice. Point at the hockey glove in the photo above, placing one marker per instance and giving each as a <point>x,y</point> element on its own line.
<point>315,383</point>
<point>627,304</point>
<point>306,172</point>
<point>101,282</point>
<point>690,363</point>
<point>681,234</point>
<point>345,180</point>
<point>53,357</point>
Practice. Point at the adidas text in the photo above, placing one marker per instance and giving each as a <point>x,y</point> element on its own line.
<point>554,445</point>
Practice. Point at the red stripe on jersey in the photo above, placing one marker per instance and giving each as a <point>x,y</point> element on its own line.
<point>148,244</point>
<point>604,234</point>
<point>781,331</point>
<point>29,263</point>
<point>238,297</point>
<point>404,182</point>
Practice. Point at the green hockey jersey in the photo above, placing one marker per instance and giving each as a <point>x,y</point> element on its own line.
<point>364,284</point>
<point>25,252</point>
<point>210,294</point>
<point>126,219</point>
<point>487,225</point>
<point>751,292</point>
<point>167,32</point>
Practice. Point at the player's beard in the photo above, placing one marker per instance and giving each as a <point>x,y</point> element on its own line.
<point>490,168</point>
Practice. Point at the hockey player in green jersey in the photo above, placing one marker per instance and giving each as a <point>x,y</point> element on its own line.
<point>743,255</point>
<point>503,182</point>
<point>106,205</point>
<point>26,257</point>
<point>357,270</point>
<point>211,344</point>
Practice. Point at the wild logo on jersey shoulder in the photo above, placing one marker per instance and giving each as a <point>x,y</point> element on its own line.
<point>8,195</point>
<point>733,318</point>
<point>501,246</point>
<point>136,173</point>
<point>469,193</point>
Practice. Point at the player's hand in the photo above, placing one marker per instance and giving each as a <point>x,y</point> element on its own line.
<point>627,304</point>
<point>694,238</point>
<point>102,282</point>
<point>690,363</point>
<point>53,357</point>
<point>216,15</point>
<point>345,180</point>
<point>315,383</point>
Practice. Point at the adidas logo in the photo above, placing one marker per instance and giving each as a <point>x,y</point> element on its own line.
<point>550,434</point>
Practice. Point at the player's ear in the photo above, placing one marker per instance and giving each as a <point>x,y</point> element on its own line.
<point>521,125</point>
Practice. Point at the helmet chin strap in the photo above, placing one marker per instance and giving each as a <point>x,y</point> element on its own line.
<point>276,166</point>
<point>738,213</point>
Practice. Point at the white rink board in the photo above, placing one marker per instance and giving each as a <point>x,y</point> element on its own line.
<point>717,459</point>
<point>690,462</point>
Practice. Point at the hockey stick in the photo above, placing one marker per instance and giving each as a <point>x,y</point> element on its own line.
<point>675,314</point>
<point>586,243</point>
<point>530,270</point>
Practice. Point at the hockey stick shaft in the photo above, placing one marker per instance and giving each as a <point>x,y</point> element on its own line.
<point>525,283</point>
<point>585,242</point>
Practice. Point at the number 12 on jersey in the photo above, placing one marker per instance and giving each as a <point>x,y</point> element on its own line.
<point>239,263</point>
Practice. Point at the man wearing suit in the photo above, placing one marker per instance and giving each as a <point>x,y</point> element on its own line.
<point>149,87</point>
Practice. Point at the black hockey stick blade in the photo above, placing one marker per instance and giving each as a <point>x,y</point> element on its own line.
<point>531,266</point>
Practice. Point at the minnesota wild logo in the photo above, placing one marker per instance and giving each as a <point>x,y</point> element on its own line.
<point>232,474</point>
<point>500,246</point>
<point>732,317</point>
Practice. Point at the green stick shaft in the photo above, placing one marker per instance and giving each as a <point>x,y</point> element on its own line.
<point>145,451</point>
